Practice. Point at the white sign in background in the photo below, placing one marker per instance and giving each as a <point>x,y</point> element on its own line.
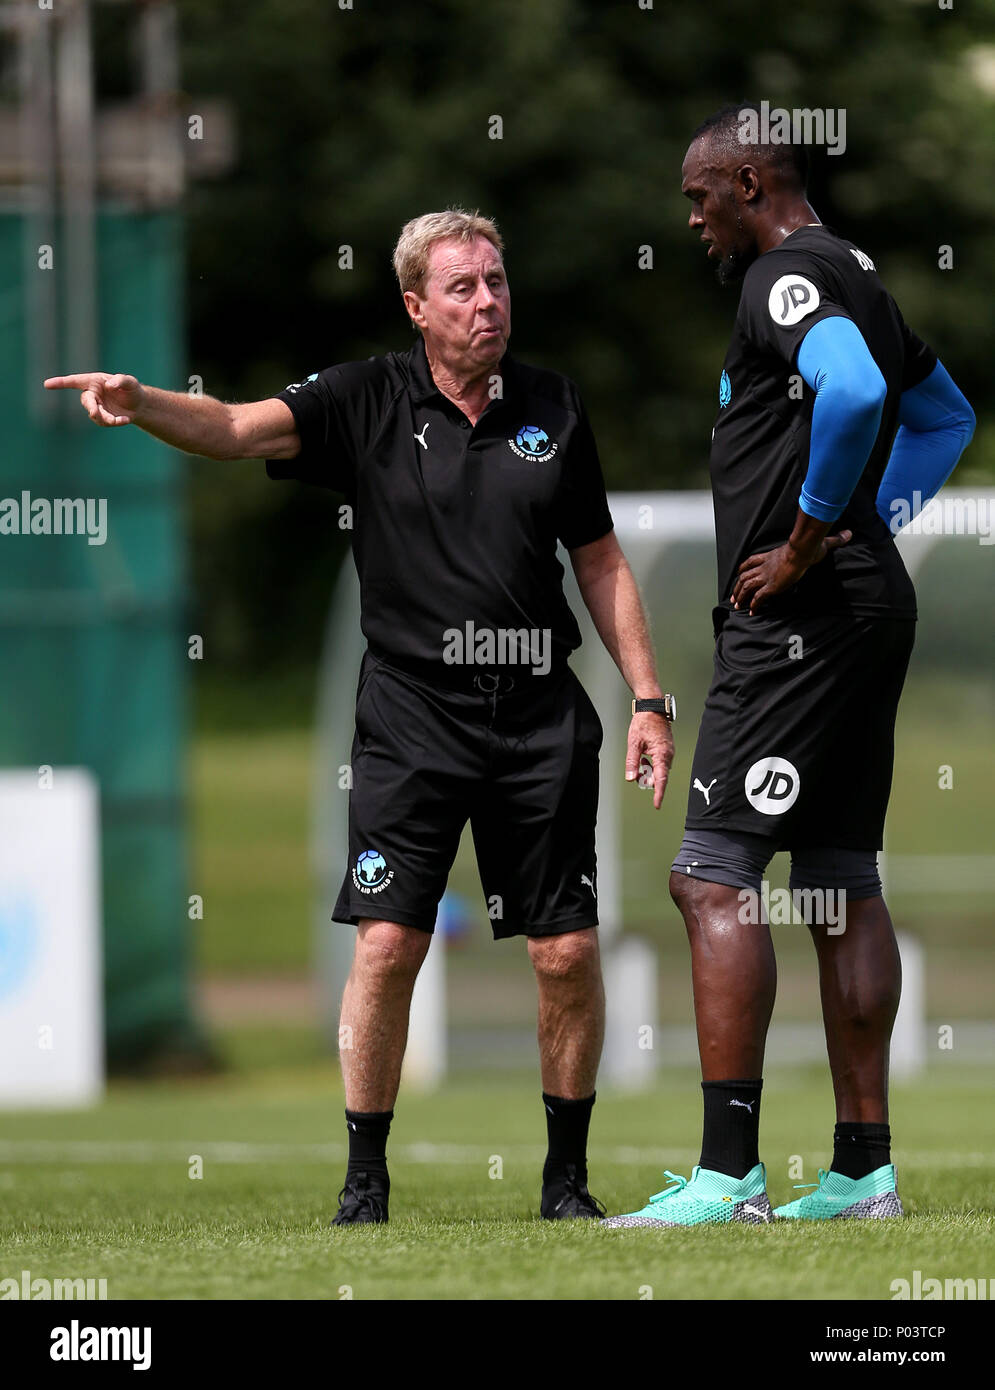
<point>51,988</point>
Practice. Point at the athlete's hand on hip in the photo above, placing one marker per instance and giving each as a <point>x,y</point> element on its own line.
<point>108,398</point>
<point>650,752</point>
<point>772,572</point>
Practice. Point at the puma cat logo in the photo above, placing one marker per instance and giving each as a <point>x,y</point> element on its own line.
<point>705,790</point>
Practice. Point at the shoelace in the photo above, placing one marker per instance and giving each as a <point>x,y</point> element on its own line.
<point>678,1184</point>
<point>822,1174</point>
<point>577,1191</point>
<point>356,1195</point>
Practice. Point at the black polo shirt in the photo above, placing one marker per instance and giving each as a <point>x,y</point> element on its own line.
<point>452,524</point>
<point>760,443</point>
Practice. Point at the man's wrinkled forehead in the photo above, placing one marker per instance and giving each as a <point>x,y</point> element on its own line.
<point>450,258</point>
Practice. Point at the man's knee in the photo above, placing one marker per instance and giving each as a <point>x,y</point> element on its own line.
<point>572,956</point>
<point>692,894</point>
<point>712,910</point>
<point>682,887</point>
<point>390,949</point>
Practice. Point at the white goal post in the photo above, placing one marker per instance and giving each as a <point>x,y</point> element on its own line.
<point>648,525</point>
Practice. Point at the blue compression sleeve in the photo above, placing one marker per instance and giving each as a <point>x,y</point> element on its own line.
<point>935,427</point>
<point>849,396</point>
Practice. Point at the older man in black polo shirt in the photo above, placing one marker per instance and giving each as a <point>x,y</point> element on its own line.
<point>464,468</point>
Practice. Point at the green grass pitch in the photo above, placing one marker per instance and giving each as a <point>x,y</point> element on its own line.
<point>107,1193</point>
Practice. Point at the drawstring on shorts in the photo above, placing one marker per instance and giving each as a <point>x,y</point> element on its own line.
<point>489,683</point>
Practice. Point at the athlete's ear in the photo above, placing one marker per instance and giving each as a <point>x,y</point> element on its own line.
<point>748,182</point>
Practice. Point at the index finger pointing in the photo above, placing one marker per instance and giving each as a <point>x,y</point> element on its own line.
<point>659,784</point>
<point>71,383</point>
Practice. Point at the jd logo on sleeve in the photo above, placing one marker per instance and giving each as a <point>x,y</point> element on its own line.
<point>791,298</point>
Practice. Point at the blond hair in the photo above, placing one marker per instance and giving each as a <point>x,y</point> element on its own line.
<point>420,234</point>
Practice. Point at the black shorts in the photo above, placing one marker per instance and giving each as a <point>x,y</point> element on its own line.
<point>797,738</point>
<point>522,767</point>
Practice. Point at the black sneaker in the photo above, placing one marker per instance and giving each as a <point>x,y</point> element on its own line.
<point>363,1199</point>
<point>565,1196</point>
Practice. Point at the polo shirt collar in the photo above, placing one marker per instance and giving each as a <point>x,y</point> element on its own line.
<point>422,384</point>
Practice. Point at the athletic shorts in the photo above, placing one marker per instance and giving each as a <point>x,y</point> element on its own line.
<point>520,763</point>
<point>797,738</point>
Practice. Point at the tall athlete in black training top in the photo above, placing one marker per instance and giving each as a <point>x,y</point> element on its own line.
<point>831,411</point>
<point>464,468</point>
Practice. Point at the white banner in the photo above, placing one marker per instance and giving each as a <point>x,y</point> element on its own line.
<point>51,990</point>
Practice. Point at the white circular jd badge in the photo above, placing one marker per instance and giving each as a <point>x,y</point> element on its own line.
<point>772,786</point>
<point>790,299</point>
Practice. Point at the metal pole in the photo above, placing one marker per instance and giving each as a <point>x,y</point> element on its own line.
<point>77,166</point>
<point>39,194</point>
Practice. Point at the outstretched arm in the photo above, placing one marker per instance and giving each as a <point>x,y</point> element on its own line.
<point>195,424</point>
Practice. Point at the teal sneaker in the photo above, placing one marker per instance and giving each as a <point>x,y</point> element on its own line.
<point>708,1197</point>
<point>836,1197</point>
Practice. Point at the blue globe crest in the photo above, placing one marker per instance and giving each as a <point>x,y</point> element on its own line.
<point>725,389</point>
<point>532,439</point>
<point>371,867</point>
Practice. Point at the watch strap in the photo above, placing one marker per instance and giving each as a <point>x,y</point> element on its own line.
<point>667,706</point>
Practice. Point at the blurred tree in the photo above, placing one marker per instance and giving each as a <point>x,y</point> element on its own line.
<point>351,121</point>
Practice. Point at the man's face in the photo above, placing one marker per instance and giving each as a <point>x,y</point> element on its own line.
<point>710,183</point>
<point>464,309</point>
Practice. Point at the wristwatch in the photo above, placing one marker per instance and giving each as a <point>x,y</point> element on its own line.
<point>667,707</point>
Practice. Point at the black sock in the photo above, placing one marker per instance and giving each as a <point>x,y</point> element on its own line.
<point>859,1149</point>
<point>732,1127</point>
<point>368,1140</point>
<point>567,1123</point>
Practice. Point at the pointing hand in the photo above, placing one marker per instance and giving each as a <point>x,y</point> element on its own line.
<point>108,398</point>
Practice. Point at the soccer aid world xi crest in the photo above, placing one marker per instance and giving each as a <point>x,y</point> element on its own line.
<point>371,874</point>
<point>532,442</point>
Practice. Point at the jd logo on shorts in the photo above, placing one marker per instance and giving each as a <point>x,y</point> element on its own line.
<point>790,299</point>
<point>772,786</point>
<point>371,874</point>
<point>532,442</point>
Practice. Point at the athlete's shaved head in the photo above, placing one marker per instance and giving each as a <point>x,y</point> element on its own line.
<point>747,193</point>
<point>728,131</point>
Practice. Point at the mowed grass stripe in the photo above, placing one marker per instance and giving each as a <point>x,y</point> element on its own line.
<point>107,1193</point>
<point>93,1151</point>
